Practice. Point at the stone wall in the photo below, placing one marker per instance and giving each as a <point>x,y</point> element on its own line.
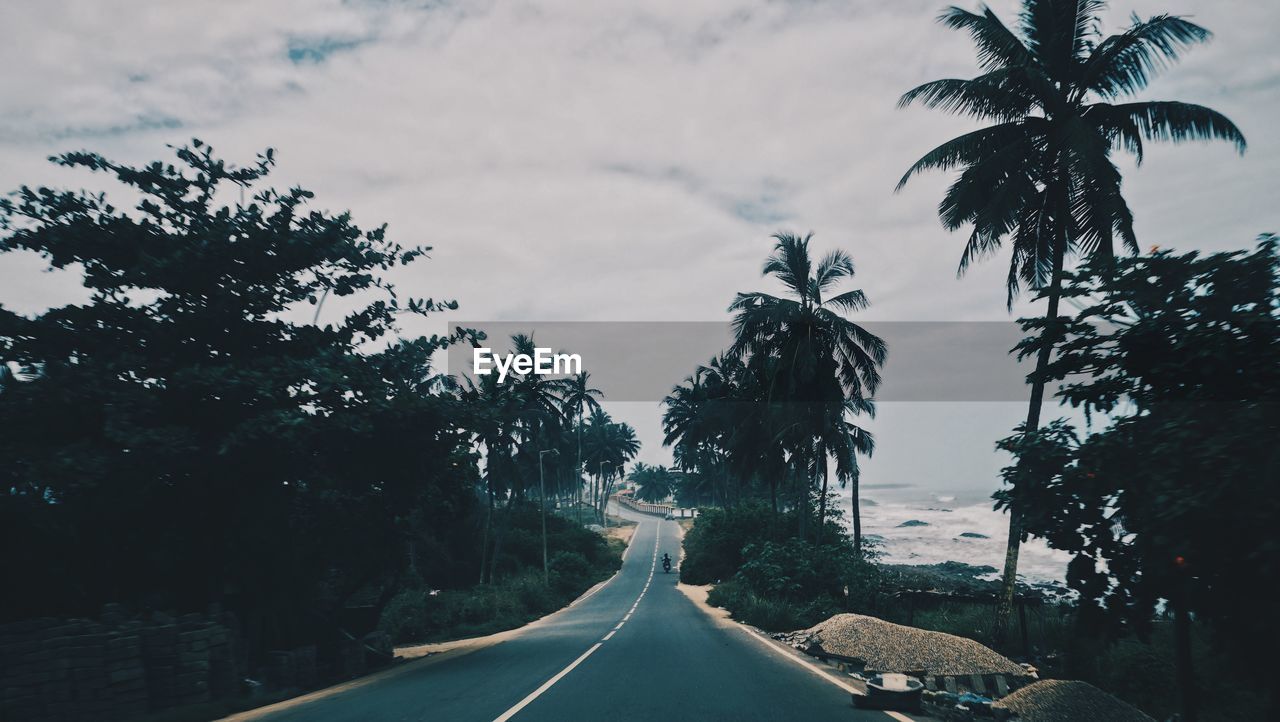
<point>114,669</point>
<point>120,668</point>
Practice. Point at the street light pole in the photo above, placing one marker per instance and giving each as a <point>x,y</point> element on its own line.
<point>542,488</point>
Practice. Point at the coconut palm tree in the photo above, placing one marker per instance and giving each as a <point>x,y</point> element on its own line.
<point>1041,174</point>
<point>578,396</point>
<point>813,359</point>
<point>607,445</point>
<point>718,426</point>
<point>493,422</point>
<point>539,410</point>
<point>653,483</point>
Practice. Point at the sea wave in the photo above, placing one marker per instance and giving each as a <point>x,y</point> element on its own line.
<point>931,529</point>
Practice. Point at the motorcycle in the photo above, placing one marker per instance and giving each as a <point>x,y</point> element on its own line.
<point>666,565</point>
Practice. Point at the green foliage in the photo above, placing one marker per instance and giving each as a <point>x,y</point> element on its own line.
<point>768,577</point>
<point>779,403</point>
<point>769,613</point>
<point>713,548</point>
<point>579,558</point>
<point>1175,495</point>
<point>185,437</point>
<point>1041,175</point>
<point>653,483</point>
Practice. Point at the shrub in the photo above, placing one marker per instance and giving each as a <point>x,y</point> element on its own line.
<point>405,616</point>
<point>793,583</point>
<point>713,548</point>
<point>570,571</point>
<point>518,593</point>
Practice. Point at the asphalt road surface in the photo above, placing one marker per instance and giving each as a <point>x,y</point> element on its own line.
<point>636,649</point>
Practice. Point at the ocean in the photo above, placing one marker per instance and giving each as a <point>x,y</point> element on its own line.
<point>890,513</point>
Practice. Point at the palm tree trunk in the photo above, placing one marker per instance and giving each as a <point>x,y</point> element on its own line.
<point>484,538</point>
<point>773,495</point>
<point>1182,656</point>
<point>577,470</point>
<point>856,515</point>
<point>822,509</point>
<point>1004,605</point>
<point>802,496</point>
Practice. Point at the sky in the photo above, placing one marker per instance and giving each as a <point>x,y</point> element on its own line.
<point>575,160</point>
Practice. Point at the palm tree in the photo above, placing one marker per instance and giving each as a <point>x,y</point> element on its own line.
<point>814,359</point>
<point>653,483</point>
<point>717,424</point>
<point>607,445</point>
<point>1041,174</point>
<point>539,410</point>
<point>493,422</point>
<point>578,397</point>
<point>693,428</point>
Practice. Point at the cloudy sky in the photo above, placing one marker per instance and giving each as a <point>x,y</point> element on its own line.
<point>606,161</point>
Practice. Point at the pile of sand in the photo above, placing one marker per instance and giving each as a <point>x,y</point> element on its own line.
<point>1057,700</point>
<point>886,647</point>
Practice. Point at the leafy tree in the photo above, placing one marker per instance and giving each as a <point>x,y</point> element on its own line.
<point>182,439</point>
<point>1041,175</point>
<point>1175,498</point>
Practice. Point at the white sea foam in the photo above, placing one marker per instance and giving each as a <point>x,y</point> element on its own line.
<point>940,540</point>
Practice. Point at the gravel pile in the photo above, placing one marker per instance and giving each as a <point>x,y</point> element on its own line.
<point>886,647</point>
<point>1057,700</point>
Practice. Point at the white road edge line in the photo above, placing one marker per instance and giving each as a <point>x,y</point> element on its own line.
<point>547,685</point>
<point>560,675</point>
<point>769,645</point>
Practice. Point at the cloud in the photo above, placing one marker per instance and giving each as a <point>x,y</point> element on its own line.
<point>575,160</point>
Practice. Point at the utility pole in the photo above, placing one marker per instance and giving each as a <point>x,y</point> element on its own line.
<point>542,497</point>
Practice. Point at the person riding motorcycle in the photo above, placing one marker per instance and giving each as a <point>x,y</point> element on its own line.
<point>666,562</point>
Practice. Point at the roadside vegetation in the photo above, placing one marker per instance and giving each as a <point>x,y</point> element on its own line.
<point>1174,358</point>
<point>234,418</point>
<point>583,558</point>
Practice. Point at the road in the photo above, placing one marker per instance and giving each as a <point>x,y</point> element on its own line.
<point>636,649</point>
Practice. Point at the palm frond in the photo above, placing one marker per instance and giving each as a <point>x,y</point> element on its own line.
<point>849,301</point>
<point>1125,63</point>
<point>1180,122</point>
<point>992,96</point>
<point>973,147</point>
<point>835,266</point>
<point>997,45</point>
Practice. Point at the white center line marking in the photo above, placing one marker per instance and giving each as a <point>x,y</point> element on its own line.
<point>546,685</point>
<point>560,675</point>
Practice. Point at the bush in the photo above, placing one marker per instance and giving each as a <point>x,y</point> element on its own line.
<point>569,571</point>
<point>518,594</point>
<point>405,616</point>
<point>713,548</point>
<point>768,613</point>
<point>768,577</point>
